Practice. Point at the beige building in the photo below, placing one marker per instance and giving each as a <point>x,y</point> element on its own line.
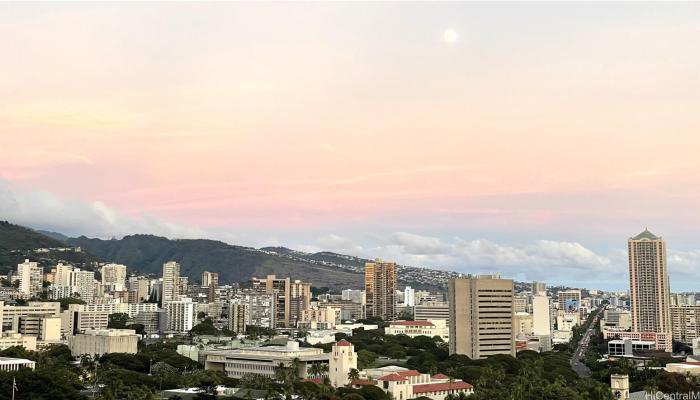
<point>8,364</point>
<point>342,360</point>
<point>481,316</point>
<point>317,316</point>
<point>300,298</point>
<point>380,289</point>
<point>569,300</point>
<point>280,287</point>
<point>45,327</point>
<point>263,360</point>
<point>103,341</point>
<point>114,275</point>
<point>75,320</point>
<point>11,315</point>
<point>522,324</point>
<point>12,339</point>
<point>171,282</point>
<point>429,328</point>
<point>539,288</point>
<point>31,278</point>
<point>649,286</point>
<point>210,279</point>
<point>685,323</point>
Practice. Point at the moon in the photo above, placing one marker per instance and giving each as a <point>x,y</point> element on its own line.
<point>450,36</point>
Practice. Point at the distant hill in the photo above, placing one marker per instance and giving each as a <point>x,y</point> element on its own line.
<point>147,253</point>
<point>18,243</point>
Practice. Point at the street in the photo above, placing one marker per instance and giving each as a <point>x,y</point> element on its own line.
<point>581,369</point>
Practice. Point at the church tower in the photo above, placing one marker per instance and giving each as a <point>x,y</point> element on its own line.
<point>343,359</point>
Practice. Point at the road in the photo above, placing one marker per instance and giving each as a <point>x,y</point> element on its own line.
<point>580,368</point>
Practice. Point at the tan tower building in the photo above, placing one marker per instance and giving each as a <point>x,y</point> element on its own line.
<point>380,289</point>
<point>292,297</point>
<point>481,316</point>
<point>343,359</point>
<point>649,286</point>
<point>171,281</point>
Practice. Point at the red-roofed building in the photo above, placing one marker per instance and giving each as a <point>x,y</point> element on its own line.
<point>358,383</point>
<point>440,377</point>
<point>427,328</point>
<point>343,342</point>
<point>438,391</point>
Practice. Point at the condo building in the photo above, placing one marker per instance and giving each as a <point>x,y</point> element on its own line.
<point>380,289</point>
<point>649,286</point>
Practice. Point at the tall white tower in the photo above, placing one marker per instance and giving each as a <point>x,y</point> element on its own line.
<point>343,359</point>
<point>620,386</point>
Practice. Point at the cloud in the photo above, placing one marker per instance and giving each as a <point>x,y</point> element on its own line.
<point>43,210</point>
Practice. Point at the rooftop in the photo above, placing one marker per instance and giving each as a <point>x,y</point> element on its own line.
<point>438,387</point>
<point>646,235</point>
<point>412,323</point>
<point>392,377</point>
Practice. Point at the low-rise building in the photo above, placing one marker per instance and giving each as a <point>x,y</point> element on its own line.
<point>103,341</point>
<point>629,347</point>
<point>662,340</point>
<point>430,328</point>
<point>263,360</point>
<point>12,339</point>
<point>8,364</point>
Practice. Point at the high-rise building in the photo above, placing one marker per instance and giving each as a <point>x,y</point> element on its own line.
<point>409,296</point>
<point>252,308</point>
<point>649,286</point>
<point>570,300</point>
<point>237,317</point>
<point>300,298</point>
<point>685,323</point>
<point>210,279</point>
<point>171,281</point>
<point>481,316</point>
<point>539,288</point>
<point>281,288</point>
<point>380,289</point>
<point>541,322</point>
<point>179,315</point>
<point>83,283</point>
<point>114,275</point>
<point>31,278</point>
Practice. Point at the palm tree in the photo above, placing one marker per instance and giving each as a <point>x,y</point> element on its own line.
<point>353,375</point>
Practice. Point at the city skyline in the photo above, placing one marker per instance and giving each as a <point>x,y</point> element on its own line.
<point>529,140</point>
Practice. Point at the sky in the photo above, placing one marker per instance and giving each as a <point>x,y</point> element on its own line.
<point>530,139</point>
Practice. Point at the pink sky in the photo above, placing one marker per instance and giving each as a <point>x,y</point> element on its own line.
<point>545,120</point>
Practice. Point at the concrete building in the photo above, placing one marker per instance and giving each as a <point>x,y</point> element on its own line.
<point>180,315</point>
<point>481,316</point>
<point>74,321</point>
<point>685,323</point>
<point>103,341</point>
<point>432,310</point>
<point>320,317</point>
<point>569,300</point>
<point>263,360</point>
<point>11,314</point>
<point>210,279</point>
<point>342,360</point>
<point>356,296</point>
<point>430,328</point>
<point>237,320</point>
<point>153,321</point>
<point>31,278</point>
<point>409,296</point>
<point>629,347</point>
<point>12,339</point>
<point>522,324</point>
<point>141,285</point>
<point>45,328</point>
<point>83,283</point>
<point>349,310</point>
<point>541,323</point>
<point>662,340</point>
<point>259,309</point>
<point>520,303</point>
<point>539,288</point>
<point>300,298</point>
<point>649,286</point>
<point>171,282</point>
<point>8,364</point>
<point>616,319</point>
<point>380,289</point>
<point>129,309</point>
<point>280,287</point>
<point>114,276</point>
<point>566,321</point>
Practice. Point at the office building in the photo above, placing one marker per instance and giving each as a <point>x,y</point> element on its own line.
<point>414,329</point>
<point>481,316</point>
<point>263,360</point>
<point>31,278</point>
<point>97,342</point>
<point>569,300</point>
<point>409,296</point>
<point>432,310</point>
<point>114,276</point>
<point>171,282</point>
<point>380,289</point>
<point>83,283</point>
<point>11,314</point>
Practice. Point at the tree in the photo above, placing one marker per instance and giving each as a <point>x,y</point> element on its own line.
<point>118,320</point>
<point>365,359</point>
<point>353,375</point>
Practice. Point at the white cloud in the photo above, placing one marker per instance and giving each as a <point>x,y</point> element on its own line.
<point>43,210</point>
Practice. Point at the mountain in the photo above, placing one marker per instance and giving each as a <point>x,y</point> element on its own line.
<point>18,243</point>
<point>147,253</point>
